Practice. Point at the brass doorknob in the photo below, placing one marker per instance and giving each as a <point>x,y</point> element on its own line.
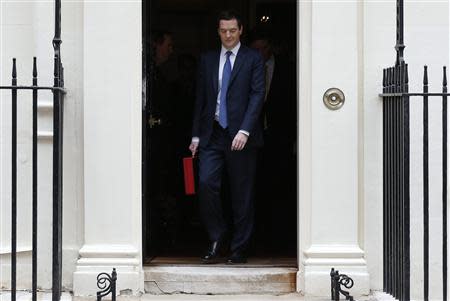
<point>152,121</point>
<point>333,98</point>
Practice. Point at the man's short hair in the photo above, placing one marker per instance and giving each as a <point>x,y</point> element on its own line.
<point>229,15</point>
<point>159,35</point>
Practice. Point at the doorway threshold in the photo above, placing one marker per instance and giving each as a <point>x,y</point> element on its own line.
<point>219,279</point>
<point>253,262</point>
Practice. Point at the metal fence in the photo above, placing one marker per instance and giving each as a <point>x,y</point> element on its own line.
<point>396,189</point>
<point>396,182</point>
<point>58,95</point>
<point>396,174</point>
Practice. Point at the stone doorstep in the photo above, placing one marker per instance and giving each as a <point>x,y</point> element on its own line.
<point>26,296</point>
<point>219,288</point>
<point>219,280</point>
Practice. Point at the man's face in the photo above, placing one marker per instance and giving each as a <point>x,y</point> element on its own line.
<point>263,47</point>
<point>229,33</point>
<point>165,49</point>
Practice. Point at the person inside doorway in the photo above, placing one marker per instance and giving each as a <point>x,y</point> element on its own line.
<point>162,42</point>
<point>276,169</point>
<point>160,145</point>
<point>227,134</point>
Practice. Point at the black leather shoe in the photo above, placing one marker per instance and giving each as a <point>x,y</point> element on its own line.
<point>237,258</point>
<point>212,255</point>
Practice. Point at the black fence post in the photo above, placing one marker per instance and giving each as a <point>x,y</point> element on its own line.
<point>35,204</point>
<point>385,265</point>
<point>14,182</point>
<point>57,157</point>
<point>444,183</point>
<point>406,188</point>
<point>426,214</point>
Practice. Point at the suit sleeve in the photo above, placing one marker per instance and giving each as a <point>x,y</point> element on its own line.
<point>256,97</point>
<point>199,99</point>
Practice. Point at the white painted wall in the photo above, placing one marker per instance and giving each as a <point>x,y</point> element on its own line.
<point>27,29</point>
<point>16,20</point>
<point>343,44</point>
<point>90,54</point>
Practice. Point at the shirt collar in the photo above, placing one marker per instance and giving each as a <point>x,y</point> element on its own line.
<point>234,50</point>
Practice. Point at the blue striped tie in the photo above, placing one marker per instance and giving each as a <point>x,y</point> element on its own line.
<point>223,119</point>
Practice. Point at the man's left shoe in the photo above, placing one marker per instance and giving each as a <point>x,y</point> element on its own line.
<point>237,258</point>
<point>213,253</point>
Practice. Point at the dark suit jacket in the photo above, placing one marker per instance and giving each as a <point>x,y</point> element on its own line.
<point>245,96</point>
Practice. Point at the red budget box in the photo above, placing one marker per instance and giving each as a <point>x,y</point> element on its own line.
<point>189,181</point>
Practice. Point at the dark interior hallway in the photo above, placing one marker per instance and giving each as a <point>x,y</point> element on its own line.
<point>172,229</point>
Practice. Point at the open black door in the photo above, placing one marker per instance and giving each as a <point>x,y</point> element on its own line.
<point>148,232</point>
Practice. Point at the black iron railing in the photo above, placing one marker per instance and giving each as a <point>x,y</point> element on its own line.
<point>58,95</point>
<point>338,280</point>
<point>396,200</point>
<point>396,174</point>
<point>107,285</point>
<point>396,190</point>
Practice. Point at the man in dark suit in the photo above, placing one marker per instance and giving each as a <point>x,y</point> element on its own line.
<point>227,132</point>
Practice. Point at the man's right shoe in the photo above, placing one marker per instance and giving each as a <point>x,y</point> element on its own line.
<point>212,256</point>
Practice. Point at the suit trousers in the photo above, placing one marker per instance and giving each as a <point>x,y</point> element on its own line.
<point>240,166</point>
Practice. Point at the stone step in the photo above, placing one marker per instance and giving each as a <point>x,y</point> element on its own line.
<point>27,296</point>
<point>254,297</point>
<point>219,280</point>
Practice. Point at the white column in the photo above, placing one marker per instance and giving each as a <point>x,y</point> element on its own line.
<point>112,146</point>
<point>331,178</point>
